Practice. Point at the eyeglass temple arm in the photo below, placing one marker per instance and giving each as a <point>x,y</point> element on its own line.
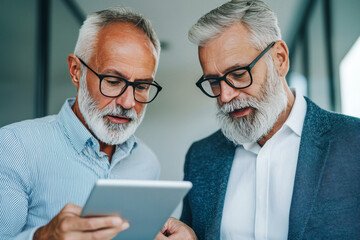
<point>261,54</point>
<point>87,66</point>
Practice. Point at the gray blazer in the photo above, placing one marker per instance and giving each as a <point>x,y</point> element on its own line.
<point>326,196</point>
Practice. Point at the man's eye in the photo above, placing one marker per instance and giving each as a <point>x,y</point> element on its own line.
<point>213,82</point>
<point>143,86</point>
<point>112,81</point>
<point>238,74</point>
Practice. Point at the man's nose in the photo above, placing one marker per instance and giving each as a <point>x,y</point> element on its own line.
<point>227,92</point>
<point>126,100</point>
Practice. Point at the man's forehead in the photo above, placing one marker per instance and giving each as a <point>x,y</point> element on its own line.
<point>232,47</point>
<point>123,32</point>
<point>235,30</point>
<point>123,43</point>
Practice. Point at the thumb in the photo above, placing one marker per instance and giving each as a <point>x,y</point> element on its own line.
<point>72,209</point>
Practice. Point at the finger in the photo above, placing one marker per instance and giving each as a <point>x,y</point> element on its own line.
<point>182,235</point>
<point>178,236</point>
<point>164,229</point>
<point>160,236</point>
<point>168,224</point>
<point>95,223</point>
<point>177,230</point>
<point>108,233</point>
<point>171,226</point>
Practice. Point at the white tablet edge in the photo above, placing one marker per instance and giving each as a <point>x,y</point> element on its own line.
<point>144,183</point>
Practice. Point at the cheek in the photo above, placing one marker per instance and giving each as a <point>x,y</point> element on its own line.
<point>93,88</point>
<point>139,107</point>
<point>259,81</point>
<point>95,93</point>
<point>254,90</point>
<point>219,102</point>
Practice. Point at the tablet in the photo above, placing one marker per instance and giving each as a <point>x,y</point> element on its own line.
<point>145,204</point>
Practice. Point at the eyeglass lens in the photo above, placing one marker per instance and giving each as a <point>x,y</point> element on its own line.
<point>113,87</point>
<point>238,78</point>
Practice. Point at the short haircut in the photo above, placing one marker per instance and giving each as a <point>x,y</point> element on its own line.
<point>254,14</point>
<point>87,39</point>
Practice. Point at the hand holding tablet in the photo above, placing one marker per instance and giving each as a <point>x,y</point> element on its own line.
<point>69,225</point>
<point>146,205</point>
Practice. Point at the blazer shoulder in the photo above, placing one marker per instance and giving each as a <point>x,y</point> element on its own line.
<point>340,125</point>
<point>209,151</point>
<point>209,142</point>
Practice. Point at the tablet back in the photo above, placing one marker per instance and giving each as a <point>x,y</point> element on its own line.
<point>145,204</point>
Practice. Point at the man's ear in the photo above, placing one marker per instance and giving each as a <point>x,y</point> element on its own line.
<point>280,55</point>
<point>74,69</point>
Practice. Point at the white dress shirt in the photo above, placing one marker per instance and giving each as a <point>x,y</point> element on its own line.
<point>260,187</point>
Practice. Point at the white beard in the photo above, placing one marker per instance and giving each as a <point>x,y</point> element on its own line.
<point>106,131</point>
<point>271,102</point>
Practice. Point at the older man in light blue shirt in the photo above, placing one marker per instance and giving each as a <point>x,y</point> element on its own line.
<point>49,165</point>
<point>49,162</point>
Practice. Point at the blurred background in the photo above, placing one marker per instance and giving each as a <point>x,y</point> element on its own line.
<point>37,36</point>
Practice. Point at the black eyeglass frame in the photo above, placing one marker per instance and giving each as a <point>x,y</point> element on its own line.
<point>223,78</point>
<point>128,83</point>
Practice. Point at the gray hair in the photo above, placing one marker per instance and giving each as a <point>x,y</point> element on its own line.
<point>87,39</point>
<point>254,14</point>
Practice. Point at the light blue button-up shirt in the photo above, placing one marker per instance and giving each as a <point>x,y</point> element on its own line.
<point>48,162</point>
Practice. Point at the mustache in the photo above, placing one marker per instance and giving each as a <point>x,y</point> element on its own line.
<point>239,103</point>
<point>119,110</point>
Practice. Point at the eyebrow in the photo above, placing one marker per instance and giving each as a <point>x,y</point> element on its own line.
<point>146,80</point>
<point>115,73</point>
<point>227,70</point>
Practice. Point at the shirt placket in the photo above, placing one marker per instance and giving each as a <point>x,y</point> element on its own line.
<point>262,187</point>
<point>100,160</point>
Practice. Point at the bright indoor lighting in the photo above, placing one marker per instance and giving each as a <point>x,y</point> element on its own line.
<point>350,81</point>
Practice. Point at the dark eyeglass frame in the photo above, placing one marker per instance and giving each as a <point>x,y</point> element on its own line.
<point>223,78</point>
<point>128,83</point>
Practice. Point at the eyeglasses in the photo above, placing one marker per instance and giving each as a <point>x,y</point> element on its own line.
<point>238,78</point>
<point>114,86</point>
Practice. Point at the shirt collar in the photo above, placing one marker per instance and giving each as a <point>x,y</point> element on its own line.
<point>79,136</point>
<point>75,131</point>
<point>295,121</point>
<point>253,147</point>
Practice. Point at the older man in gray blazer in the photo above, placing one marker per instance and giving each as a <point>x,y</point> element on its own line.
<point>281,167</point>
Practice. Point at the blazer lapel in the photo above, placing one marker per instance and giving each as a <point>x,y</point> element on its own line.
<point>223,159</point>
<point>313,152</point>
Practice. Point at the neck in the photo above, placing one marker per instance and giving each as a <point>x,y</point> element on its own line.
<point>107,149</point>
<point>281,119</point>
